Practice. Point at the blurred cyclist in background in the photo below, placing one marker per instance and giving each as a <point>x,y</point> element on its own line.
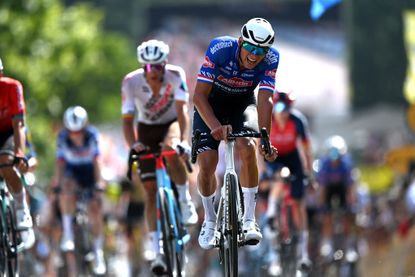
<point>78,167</point>
<point>290,134</point>
<point>158,93</point>
<point>12,140</point>
<point>335,177</point>
<point>225,101</point>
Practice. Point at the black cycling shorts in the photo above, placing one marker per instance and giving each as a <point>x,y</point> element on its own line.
<point>335,192</point>
<point>240,112</point>
<point>151,136</point>
<point>293,162</point>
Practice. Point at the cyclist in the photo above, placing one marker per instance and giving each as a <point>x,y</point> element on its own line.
<point>158,92</point>
<point>12,139</point>
<point>290,134</point>
<point>78,167</point>
<point>336,178</point>
<point>225,101</point>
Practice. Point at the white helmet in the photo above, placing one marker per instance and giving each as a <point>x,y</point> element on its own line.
<point>259,32</point>
<point>152,52</point>
<point>1,65</point>
<point>75,118</point>
<point>336,146</point>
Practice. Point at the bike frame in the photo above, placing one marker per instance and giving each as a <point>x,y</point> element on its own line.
<point>10,235</point>
<point>223,221</point>
<point>164,187</point>
<point>229,221</point>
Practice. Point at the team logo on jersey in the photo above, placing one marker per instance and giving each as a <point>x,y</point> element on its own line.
<point>235,81</point>
<point>271,57</point>
<point>271,73</point>
<point>164,100</point>
<point>207,63</point>
<point>220,45</point>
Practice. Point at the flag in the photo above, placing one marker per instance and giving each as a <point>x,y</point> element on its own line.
<point>318,7</point>
<point>409,36</point>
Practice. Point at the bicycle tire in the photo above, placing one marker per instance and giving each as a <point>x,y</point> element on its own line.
<point>12,242</point>
<point>232,228</point>
<point>169,244</point>
<point>180,257</point>
<point>3,253</point>
<point>83,248</point>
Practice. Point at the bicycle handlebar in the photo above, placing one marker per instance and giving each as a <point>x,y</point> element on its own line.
<point>15,161</point>
<point>242,134</point>
<point>144,155</point>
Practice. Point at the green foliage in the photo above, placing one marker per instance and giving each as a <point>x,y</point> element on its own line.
<point>63,57</point>
<point>378,59</point>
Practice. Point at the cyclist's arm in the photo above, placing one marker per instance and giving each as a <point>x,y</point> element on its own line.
<point>19,135</point>
<point>130,134</point>
<point>265,109</point>
<point>183,119</point>
<point>200,99</point>
<point>60,167</point>
<point>308,156</point>
<point>97,172</point>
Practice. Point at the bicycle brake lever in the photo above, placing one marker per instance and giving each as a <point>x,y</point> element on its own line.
<point>265,141</point>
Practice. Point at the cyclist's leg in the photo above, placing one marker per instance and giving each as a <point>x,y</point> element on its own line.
<point>10,174</point>
<point>207,159</point>
<point>327,229</point>
<point>246,149</point>
<point>179,176</point>
<point>299,211</point>
<point>270,175</point>
<point>67,205</point>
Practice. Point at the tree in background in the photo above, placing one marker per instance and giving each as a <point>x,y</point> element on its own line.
<point>63,57</point>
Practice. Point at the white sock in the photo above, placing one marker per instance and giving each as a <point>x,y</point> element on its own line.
<point>250,195</point>
<point>304,243</point>
<point>272,207</point>
<point>154,242</point>
<point>20,199</point>
<point>67,224</point>
<point>98,243</point>
<point>209,207</point>
<point>183,191</point>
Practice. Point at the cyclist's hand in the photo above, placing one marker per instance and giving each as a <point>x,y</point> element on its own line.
<point>139,147</point>
<point>21,163</point>
<point>184,149</point>
<point>221,132</point>
<point>270,156</point>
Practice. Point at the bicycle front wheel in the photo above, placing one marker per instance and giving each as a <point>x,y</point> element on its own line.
<point>3,244</point>
<point>169,243</point>
<point>231,228</point>
<point>13,240</point>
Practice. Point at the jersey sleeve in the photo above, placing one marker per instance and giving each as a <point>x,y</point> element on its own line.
<point>127,97</point>
<point>302,127</point>
<point>182,92</point>
<point>217,49</point>
<point>95,142</point>
<point>60,145</point>
<point>17,100</point>
<point>267,81</point>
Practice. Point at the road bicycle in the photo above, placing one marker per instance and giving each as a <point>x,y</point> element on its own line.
<point>81,259</point>
<point>11,243</point>
<point>340,262</point>
<point>230,210</point>
<point>287,238</point>
<point>171,232</point>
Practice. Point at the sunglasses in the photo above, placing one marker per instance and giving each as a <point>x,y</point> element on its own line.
<point>154,67</point>
<point>253,49</point>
